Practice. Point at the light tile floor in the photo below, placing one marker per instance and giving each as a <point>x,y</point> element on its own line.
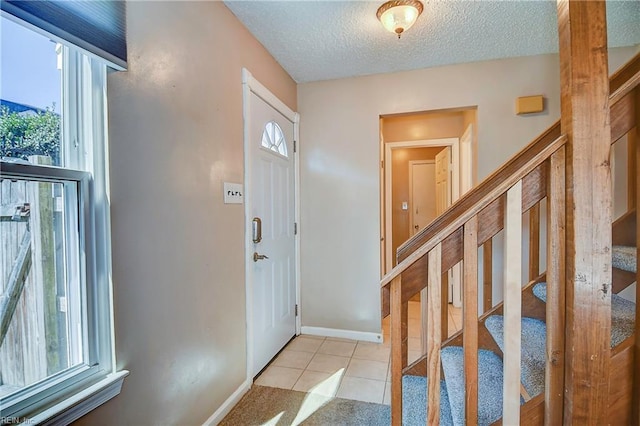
<point>345,368</point>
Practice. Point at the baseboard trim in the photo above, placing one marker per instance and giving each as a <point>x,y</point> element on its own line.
<point>226,406</point>
<point>343,334</point>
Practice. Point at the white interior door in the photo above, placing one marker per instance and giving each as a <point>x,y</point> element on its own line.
<point>272,193</point>
<point>422,182</point>
<point>443,180</point>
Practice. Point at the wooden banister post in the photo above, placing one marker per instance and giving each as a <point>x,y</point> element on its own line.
<point>584,89</point>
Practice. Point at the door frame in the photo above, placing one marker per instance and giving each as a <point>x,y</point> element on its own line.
<point>411,164</point>
<point>251,85</point>
<point>466,152</point>
<point>387,173</point>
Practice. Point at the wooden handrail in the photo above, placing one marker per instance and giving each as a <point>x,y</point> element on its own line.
<point>476,194</point>
<point>624,74</point>
<point>622,82</point>
<point>471,207</point>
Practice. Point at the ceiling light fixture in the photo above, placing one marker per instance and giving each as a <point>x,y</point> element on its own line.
<point>397,16</point>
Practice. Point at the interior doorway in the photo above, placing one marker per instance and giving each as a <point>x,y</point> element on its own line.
<point>428,161</point>
<point>402,137</point>
<point>397,206</point>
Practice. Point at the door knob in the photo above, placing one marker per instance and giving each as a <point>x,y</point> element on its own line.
<point>257,256</point>
<point>416,227</point>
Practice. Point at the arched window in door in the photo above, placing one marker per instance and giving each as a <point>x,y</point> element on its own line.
<point>273,138</point>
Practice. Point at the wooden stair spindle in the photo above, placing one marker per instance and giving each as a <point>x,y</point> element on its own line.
<point>396,351</point>
<point>635,414</point>
<point>534,241</point>
<point>444,304</point>
<point>555,306</point>
<point>487,275</point>
<point>470,319</point>
<point>434,341</point>
<point>512,305</point>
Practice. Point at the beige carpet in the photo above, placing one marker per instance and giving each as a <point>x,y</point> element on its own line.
<point>272,406</point>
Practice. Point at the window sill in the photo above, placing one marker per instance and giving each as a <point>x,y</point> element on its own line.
<point>83,402</point>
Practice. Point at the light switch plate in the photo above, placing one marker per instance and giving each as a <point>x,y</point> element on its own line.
<point>233,193</point>
<point>405,205</point>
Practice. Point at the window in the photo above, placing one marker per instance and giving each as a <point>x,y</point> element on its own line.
<point>56,346</point>
<point>273,138</point>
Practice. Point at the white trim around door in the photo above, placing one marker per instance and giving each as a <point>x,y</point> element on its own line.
<point>251,85</point>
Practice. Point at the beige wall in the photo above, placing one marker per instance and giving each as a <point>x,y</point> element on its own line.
<point>340,215</point>
<point>176,134</point>
<point>400,189</point>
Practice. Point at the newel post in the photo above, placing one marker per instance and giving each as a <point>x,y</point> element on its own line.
<point>585,120</point>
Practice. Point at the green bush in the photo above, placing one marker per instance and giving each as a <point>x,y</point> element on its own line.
<point>25,134</point>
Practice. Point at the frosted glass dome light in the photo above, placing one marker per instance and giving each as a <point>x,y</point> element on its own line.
<point>397,16</point>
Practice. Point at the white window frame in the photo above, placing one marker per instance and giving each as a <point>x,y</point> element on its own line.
<point>70,394</point>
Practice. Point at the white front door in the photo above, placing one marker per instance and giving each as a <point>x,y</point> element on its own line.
<point>422,182</point>
<point>272,257</point>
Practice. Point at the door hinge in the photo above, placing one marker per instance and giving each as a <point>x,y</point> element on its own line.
<point>382,164</point>
<point>295,228</point>
<point>295,146</point>
<point>296,310</point>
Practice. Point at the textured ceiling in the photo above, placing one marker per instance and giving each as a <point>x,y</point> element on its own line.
<point>322,40</point>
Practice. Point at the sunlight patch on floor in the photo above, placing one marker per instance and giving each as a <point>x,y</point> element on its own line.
<point>274,421</point>
<point>318,396</point>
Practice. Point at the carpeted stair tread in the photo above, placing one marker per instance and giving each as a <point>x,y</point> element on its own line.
<point>414,402</point>
<point>624,257</point>
<point>622,314</point>
<point>533,350</point>
<point>490,381</point>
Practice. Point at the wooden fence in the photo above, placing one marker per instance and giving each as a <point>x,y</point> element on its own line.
<point>30,350</point>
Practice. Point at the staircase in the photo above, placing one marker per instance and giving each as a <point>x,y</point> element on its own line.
<point>476,375</point>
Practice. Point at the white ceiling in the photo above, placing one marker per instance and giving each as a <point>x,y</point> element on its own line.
<point>326,39</point>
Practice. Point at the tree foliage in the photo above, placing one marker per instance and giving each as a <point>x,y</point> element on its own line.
<point>27,133</point>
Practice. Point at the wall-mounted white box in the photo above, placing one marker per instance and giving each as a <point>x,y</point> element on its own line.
<point>233,193</point>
